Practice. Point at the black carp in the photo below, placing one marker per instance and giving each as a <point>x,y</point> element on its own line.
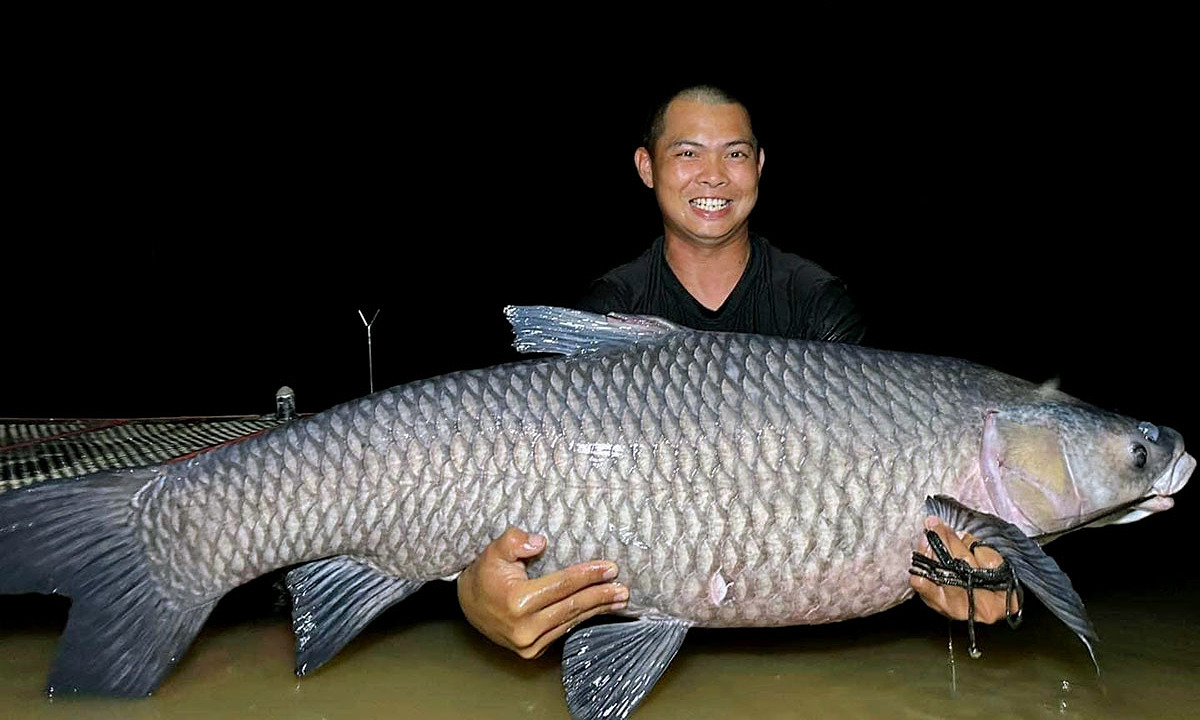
<point>737,480</point>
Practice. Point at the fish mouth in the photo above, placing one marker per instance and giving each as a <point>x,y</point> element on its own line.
<point>1172,482</point>
<point>1159,498</point>
<point>1155,501</point>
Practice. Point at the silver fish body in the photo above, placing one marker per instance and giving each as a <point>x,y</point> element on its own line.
<point>737,480</point>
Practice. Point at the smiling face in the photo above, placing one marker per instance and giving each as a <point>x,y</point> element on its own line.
<point>704,172</point>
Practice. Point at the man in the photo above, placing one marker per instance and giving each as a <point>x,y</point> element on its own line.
<point>707,272</point>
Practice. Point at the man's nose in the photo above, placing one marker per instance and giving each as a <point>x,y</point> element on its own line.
<point>714,173</point>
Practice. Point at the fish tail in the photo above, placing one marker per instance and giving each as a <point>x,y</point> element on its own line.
<point>77,538</point>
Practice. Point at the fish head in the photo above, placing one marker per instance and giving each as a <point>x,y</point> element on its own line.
<point>1057,466</point>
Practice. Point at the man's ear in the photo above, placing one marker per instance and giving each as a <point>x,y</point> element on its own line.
<point>762,158</point>
<point>645,166</point>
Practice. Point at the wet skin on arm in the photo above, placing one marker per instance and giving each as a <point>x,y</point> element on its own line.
<point>527,615</point>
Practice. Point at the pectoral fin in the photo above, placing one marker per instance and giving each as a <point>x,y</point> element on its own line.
<point>608,669</point>
<point>333,600</point>
<point>1034,568</point>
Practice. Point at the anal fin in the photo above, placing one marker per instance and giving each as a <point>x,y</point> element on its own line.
<point>608,669</point>
<point>333,600</point>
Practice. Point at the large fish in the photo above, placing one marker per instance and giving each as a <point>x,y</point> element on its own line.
<point>738,480</point>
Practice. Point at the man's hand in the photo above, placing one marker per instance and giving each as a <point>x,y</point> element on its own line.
<point>525,615</point>
<point>952,601</point>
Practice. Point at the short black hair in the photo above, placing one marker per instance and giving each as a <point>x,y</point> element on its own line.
<point>708,94</point>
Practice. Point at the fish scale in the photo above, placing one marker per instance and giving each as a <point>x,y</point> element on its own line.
<point>616,455</point>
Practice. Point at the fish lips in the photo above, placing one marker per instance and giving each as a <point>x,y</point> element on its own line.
<point>1166,485</point>
<point>1172,482</point>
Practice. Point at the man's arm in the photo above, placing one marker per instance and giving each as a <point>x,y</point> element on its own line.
<point>526,615</point>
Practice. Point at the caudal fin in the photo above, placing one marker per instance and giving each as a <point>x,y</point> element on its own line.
<point>77,538</point>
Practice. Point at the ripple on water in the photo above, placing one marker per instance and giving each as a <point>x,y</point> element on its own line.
<point>428,663</point>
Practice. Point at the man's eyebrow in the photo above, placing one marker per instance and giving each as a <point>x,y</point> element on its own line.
<point>696,143</point>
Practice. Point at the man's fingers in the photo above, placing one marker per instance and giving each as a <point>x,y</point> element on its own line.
<point>584,601</point>
<point>951,540</point>
<point>934,596</point>
<point>516,544</point>
<point>952,601</point>
<point>985,557</point>
<point>567,612</point>
<point>543,592</point>
<point>499,599</point>
<point>548,638</point>
<point>982,557</point>
<point>989,605</point>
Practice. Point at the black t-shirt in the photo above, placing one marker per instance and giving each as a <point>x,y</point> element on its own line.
<point>778,294</point>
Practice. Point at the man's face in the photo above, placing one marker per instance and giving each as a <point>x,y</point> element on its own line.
<point>704,172</point>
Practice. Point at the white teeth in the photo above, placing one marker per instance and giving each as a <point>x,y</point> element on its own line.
<point>710,204</point>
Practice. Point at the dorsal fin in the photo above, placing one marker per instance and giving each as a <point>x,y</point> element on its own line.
<point>548,329</point>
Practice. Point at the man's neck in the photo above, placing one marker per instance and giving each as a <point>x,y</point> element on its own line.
<point>708,272</point>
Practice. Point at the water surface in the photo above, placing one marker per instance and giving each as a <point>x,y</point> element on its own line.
<point>421,660</point>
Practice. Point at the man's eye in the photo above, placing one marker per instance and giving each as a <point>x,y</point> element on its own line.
<point>737,154</point>
<point>687,153</point>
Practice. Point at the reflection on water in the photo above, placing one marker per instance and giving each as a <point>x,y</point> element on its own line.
<point>421,660</point>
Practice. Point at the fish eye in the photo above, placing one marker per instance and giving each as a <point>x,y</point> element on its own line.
<point>1139,455</point>
<point>1149,430</point>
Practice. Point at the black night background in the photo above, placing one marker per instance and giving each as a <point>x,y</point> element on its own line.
<point>189,231</point>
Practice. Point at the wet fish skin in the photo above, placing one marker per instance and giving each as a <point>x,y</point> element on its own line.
<point>788,476</point>
<point>736,480</point>
<point>637,457</point>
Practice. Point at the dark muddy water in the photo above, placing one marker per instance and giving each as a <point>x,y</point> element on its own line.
<point>421,660</point>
